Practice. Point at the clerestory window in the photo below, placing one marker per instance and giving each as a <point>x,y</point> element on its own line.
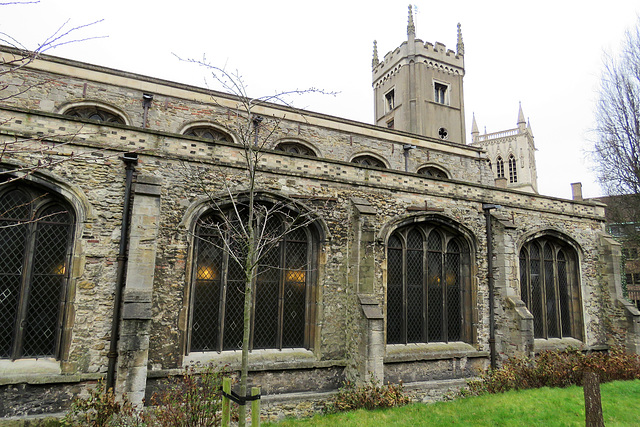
<point>281,308</point>
<point>428,285</point>
<point>549,287</point>
<point>367,160</point>
<point>208,132</point>
<point>295,148</point>
<point>95,113</point>
<point>35,247</point>
<point>433,171</point>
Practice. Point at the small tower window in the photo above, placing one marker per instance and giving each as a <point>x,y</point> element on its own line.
<point>440,93</point>
<point>443,133</point>
<point>499,167</point>
<point>513,173</point>
<point>390,100</point>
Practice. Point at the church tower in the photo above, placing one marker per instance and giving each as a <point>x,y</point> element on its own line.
<point>512,154</point>
<point>418,88</point>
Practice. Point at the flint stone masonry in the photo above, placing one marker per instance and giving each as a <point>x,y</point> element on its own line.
<point>357,208</point>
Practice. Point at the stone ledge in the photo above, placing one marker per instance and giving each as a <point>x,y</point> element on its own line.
<point>397,353</point>
<point>38,379</point>
<point>557,344</point>
<point>259,360</point>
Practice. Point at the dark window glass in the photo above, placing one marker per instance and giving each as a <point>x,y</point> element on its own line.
<point>549,288</point>
<point>280,313</point>
<point>427,275</point>
<point>35,239</point>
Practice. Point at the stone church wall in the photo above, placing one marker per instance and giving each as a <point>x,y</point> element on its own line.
<point>358,206</point>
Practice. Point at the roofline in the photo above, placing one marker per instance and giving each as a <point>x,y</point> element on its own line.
<point>157,86</point>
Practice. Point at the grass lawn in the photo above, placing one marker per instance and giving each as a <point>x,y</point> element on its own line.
<point>541,407</point>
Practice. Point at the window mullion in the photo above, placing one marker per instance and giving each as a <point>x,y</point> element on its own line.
<point>405,291</point>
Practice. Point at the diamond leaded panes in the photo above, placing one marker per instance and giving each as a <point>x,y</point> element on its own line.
<point>35,236</point>
<point>549,289</point>
<point>426,276</point>
<point>279,315</point>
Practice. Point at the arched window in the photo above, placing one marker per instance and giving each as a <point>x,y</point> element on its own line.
<point>433,171</point>
<point>281,310</point>
<point>366,160</point>
<point>93,112</point>
<point>513,173</point>
<point>208,132</point>
<point>428,285</point>
<point>35,246</point>
<point>549,287</point>
<point>499,167</point>
<point>295,148</point>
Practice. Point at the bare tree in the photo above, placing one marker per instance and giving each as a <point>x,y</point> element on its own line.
<point>40,151</point>
<point>246,228</point>
<point>617,145</point>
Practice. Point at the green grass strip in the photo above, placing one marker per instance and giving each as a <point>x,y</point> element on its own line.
<point>540,407</point>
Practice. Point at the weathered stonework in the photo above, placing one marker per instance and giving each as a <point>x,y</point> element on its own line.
<point>357,209</point>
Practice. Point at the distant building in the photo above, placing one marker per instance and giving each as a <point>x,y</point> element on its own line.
<point>512,155</point>
<point>388,276</point>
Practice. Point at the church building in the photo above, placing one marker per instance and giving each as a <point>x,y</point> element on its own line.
<point>400,249</point>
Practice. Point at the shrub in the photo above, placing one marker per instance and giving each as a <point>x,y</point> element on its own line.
<point>371,395</point>
<point>100,409</point>
<point>192,399</point>
<point>556,369</point>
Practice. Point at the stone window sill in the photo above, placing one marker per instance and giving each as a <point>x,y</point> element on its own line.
<point>556,344</point>
<point>261,360</point>
<point>396,353</point>
<point>39,371</point>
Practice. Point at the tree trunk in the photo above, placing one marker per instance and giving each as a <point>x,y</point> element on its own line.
<point>592,401</point>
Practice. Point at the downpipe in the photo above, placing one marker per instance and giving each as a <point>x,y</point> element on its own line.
<point>130,160</point>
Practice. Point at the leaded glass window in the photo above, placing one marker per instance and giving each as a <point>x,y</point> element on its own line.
<point>35,241</point>
<point>549,288</point>
<point>281,311</point>
<point>428,283</point>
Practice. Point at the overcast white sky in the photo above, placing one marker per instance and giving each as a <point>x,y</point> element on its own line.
<point>546,54</point>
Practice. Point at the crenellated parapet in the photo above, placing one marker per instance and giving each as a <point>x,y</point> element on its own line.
<point>435,56</point>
